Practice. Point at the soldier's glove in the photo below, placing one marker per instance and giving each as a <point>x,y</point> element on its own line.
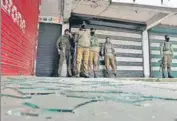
<point>60,46</point>
<point>70,35</point>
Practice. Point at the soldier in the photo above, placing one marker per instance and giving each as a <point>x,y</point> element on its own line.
<point>166,52</point>
<point>73,55</point>
<point>64,50</point>
<point>109,53</point>
<point>83,45</point>
<point>94,52</point>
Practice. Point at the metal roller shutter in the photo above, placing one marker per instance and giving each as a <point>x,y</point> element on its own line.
<point>156,36</point>
<point>47,56</point>
<point>128,46</point>
<point>19,36</point>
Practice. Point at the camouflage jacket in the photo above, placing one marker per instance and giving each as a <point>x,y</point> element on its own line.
<point>108,49</point>
<point>94,43</point>
<point>166,49</point>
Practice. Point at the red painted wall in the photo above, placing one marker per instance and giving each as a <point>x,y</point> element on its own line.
<point>19,36</point>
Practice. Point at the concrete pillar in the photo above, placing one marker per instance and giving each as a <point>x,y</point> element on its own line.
<point>146,63</point>
<point>64,26</point>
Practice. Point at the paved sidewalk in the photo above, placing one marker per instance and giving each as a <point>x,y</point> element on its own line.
<point>79,99</point>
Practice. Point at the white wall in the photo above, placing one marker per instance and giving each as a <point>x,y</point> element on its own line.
<point>51,8</point>
<point>166,3</point>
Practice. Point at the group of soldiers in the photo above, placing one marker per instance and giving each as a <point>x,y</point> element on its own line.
<point>81,52</point>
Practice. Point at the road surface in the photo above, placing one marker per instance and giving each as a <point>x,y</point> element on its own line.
<point>79,99</point>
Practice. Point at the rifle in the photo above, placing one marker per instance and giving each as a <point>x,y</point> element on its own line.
<point>160,62</point>
<point>115,62</point>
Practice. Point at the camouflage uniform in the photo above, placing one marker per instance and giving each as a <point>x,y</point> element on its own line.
<point>64,50</point>
<point>166,51</point>
<point>94,54</point>
<point>109,53</point>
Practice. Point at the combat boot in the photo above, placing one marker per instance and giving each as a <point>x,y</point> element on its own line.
<point>77,75</point>
<point>169,75</point>
<point>115,74</point>
<point>107,74</point>
<point>86,75</point>
<point>69,75</point>
<point>95,74</point>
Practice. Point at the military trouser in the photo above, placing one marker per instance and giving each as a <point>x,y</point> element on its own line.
<point>62,57</point>
<point>110,61</point>
<point>73,61</point>
<point>93,60</point>
<point>82,53</point>
<point>166,63</point>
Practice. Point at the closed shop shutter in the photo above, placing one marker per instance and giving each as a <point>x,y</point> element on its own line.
<point>128,47</point>
<point>156,36</point>
<point>19,36</point>
<point>47,55</point>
